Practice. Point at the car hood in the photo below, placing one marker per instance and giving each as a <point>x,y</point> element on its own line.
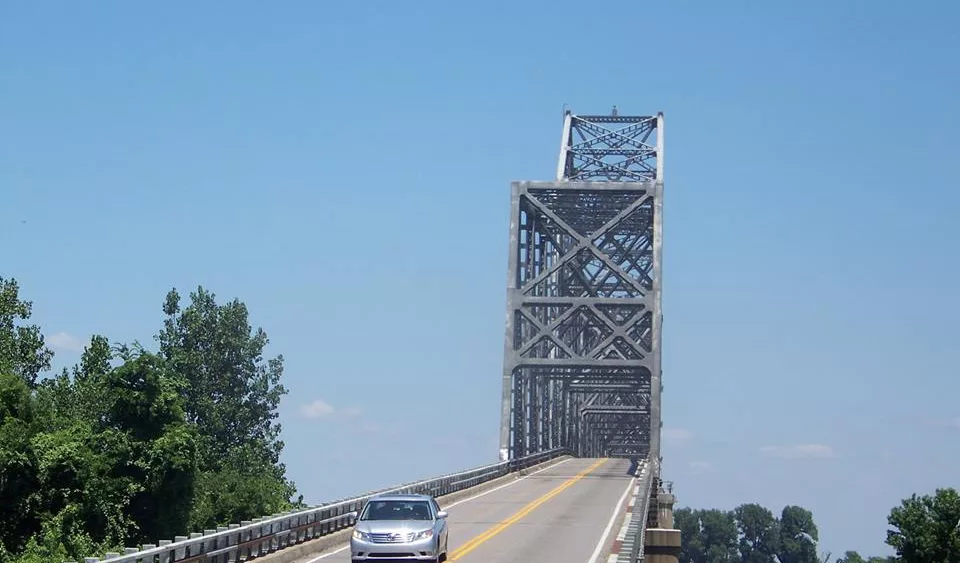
<point>393,526</point>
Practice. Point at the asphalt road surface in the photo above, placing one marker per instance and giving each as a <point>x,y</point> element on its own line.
<point>562,514</point>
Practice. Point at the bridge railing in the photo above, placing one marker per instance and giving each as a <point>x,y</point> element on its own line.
<point>635,537</point>
<point>261,536</point>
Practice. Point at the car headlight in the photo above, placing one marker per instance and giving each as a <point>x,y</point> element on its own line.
<point>358,535</point>
<point>426,534</point>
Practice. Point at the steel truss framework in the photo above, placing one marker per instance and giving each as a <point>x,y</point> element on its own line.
<point>582,351</point>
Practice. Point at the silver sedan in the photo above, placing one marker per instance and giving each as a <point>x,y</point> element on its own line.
<point>400,527</point>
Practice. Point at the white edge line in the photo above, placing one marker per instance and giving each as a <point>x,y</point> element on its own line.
<point>613,519</point>
<point>461,501</point>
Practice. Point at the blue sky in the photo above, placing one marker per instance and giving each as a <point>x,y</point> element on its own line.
<point>344,169</point>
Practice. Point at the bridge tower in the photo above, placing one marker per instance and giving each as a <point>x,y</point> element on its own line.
<point>582,350</point>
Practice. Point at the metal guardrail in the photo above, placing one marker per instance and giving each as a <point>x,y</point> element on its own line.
<point>632,549</point>
<point>262,536</point>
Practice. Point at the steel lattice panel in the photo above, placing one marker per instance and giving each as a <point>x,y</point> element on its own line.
<point>582,350</point>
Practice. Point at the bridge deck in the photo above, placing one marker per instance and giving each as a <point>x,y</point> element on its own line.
<point>558,514</point>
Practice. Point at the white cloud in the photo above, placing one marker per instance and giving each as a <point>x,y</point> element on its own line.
<point>317,409</point>
<point>799,451</point>
<point>700,467</point>
<point>320,408</point>
<point>676,436</point>
<point>65,341</point>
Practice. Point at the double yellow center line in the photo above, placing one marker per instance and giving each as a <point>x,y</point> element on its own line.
<point>477,541</point>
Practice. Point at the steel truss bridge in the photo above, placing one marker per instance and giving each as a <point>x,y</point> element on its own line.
<point>581,380</point>
<point>582,354</point>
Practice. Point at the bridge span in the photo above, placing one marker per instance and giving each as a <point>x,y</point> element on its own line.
<point>563,512</point>
<point>578,479</point>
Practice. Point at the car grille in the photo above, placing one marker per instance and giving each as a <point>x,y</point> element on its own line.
<point>392,538</point>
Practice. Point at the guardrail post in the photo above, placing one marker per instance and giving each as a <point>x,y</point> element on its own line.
<point>194,548</point>
<point>255,534</point>
<point>324,524</point>
<point>245,549</point>
<point>219,543</point>
<point>166,556</point>
<point>270,530</point>
<point>310,530</point>
<point>338,523</point>
<point>208,543</point>
<point>181,551</point>
<point>233,540</point>
<point>283,539</point>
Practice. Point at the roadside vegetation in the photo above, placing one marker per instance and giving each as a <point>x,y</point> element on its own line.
<point>135,444</point>
<point>922,529</point>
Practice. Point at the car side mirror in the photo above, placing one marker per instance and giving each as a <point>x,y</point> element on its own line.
<point>353,515</point>
<point>442,514</point>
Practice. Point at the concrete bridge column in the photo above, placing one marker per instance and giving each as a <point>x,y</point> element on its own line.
<point>662,544</point>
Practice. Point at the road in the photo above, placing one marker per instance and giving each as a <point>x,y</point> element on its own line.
<point>557,515</point>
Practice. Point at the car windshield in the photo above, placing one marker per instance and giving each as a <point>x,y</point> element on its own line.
<point>396,510</point>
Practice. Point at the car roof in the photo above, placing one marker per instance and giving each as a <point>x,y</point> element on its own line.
<point>400,496</point>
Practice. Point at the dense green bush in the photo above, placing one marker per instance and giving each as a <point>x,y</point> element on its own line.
<point>133,446</point>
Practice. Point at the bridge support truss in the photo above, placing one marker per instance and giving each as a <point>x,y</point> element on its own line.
<point>582,351</point>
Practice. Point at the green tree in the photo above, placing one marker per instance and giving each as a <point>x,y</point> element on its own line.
<point>129,446</point>
<point>22,349</point>
<point>719,529</point>
<point>78,395</point>
<point>119,471</point>
<point>854,557</point>
<point>18,482</point>
<point>927,528</point>
<point>232,396</point>
<point>708,536</point>
<point>798,536</point>
<point>145,406</point>
<point>692,549</point>
<point>759,534</point>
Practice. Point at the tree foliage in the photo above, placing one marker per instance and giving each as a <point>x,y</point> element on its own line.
<point>854,557</point>
<point>798,536</point>
<point>709,536</point>
<point>927,528</point>
<point>131,446</point>
<point>232,396</point>
<point>759,533</point>
<point>22,349</point>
